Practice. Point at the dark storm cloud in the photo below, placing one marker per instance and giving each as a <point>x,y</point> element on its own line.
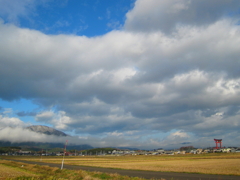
<point>232,110</point>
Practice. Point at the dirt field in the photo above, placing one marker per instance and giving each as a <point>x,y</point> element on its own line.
<point>224,164</point>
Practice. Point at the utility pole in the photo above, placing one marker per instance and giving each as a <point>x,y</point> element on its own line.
<point>41,156</point>
<point>64,151</point>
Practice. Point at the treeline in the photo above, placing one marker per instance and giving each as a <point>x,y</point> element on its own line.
<point>97,151</point>
<point>186,148</point>
<point>9,149</point>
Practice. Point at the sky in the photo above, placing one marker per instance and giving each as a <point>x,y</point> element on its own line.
<point>129,73</point>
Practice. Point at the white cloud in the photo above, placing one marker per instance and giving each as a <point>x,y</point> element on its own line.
<point>59,119</point>
<point>123,74</point>
<point>219,122</point>
<point>7,111</point>
<point>128,84</point>
<point>13,9</point>
<point>19,134</point>
<point>167,15</point>
<point>45,116</point>
<point>115,133</point>
<point>6,121</point>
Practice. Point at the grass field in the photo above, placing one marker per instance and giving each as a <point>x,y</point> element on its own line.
<point>10,170</point>
<point>218,163</point>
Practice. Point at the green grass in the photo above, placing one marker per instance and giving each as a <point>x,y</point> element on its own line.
<point>51,173</point>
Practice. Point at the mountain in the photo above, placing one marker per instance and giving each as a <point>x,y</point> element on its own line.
<point>46,130</point>
<point>37,146</point>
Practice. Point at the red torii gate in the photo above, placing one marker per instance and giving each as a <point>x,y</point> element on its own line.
<point>218,141</point>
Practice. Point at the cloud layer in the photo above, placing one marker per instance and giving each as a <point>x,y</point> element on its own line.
<point>170,76</point>
<point>169,15</point>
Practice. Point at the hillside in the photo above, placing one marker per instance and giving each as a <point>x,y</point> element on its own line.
<point>46,130</point>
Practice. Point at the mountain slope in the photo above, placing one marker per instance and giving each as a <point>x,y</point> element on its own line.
<point>37,146</point>
<point>46,130</point>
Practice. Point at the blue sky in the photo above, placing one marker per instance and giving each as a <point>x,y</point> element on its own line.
<point>134,73</point>
<point>84,17</point>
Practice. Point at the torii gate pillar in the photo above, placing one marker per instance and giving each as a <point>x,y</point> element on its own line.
<point>218,141</point>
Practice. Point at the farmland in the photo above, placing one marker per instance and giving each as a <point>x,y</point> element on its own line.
<point>213,163</point>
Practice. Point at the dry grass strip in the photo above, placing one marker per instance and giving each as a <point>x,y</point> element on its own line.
<point>11,172</point>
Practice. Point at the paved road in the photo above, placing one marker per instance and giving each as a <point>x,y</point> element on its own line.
<point>142,174</point>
